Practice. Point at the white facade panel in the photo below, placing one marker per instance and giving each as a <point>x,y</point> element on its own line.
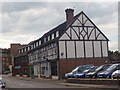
<point>88,23</point>
<point>70,49</point>
<point>104,49</point>
<point>79,49</point>
<point>35,70</point>
<point>64,36</point>
<point>74,36</point>
<point>89,48</point>
<point>68,31</point>
<point>91,33</point>
<point>101,37</point>
<point>76,23</point>
<point>62,52</point>
<point>97,49</point>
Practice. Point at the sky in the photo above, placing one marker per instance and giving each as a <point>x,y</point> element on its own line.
<point>23,22</point>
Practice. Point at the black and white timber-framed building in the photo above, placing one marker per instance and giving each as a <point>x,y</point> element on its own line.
<point>75,42</point>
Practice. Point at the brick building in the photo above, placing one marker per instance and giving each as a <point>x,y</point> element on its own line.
<point>17,58</point>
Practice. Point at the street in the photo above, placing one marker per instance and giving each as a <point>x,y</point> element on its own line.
<point>15,83</point>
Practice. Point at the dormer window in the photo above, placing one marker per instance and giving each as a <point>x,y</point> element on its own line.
<point>31,46</point>
<point>19,51</point>
<point>44,39</point>
<point>36,44</point>
<point>28,48</point>
<point>24,49</point>
<point>39,42</point>
<point>48,37</point>
<point>53,36</point>
<point>57,34</point>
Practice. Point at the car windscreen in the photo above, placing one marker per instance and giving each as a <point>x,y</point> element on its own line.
<point>92,69</point>
<point>106,67</point>
<point>112,67</point>
<point>74,70</point>
<point>98,68</point>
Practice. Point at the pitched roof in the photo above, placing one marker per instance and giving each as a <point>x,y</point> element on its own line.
<point>61,28</point>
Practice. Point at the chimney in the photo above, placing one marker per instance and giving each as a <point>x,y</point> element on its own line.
<point>69,15</point>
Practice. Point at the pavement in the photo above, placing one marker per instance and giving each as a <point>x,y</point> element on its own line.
<point>62,82</point>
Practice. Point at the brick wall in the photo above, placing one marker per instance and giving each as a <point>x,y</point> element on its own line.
<point>67,65</point>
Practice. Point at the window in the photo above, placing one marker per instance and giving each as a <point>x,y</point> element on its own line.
<point>19,51</point>
<point>31,46</point>
<point>39,42</point>
<point>53,36</point>
<point>36,44</point>
<point>24,49</point>
<point>57,34</point>
<point>48,38</point>
<point>44,39</point>
<point>28,48</point>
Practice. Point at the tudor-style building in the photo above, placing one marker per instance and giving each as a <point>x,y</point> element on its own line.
<point>75,42</point>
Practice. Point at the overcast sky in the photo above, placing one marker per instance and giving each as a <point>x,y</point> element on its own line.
<point>23,22</point>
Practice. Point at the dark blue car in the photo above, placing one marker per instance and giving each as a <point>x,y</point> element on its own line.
<point>108,73</point>
<point>93,74</point>
<point>78,69</point>
<point>83,74</point>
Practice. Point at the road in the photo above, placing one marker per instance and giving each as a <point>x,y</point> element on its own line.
<point>15,83</point>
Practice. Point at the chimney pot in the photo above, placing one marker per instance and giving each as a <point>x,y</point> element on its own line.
<point>69,15</point>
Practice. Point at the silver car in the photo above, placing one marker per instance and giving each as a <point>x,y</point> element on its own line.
<point>116,74</point>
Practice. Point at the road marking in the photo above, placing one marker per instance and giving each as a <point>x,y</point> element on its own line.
<point>26,84</point>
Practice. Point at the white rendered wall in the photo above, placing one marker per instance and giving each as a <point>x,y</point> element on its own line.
<point>70,49</point>
<point>62,49</point>
<point>104,49</point>
<point>97,49</point>
<point>88,48</point>
<point>35,70</point>
<point>80,49</point>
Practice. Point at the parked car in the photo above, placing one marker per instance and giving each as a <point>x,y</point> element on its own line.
<point>2,84</point>
<point>108,73</point>
<point>82,74</point>
<point>93,73</point>
<point>116,74</point>
<point>78,69</point>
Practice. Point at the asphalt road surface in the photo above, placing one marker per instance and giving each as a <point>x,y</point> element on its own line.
<point>13,83</point>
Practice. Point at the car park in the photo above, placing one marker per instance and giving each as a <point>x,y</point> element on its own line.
<point>78,69</point>
<point>108,73</point>
<point>116,74</point>
<point>93,74</point>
